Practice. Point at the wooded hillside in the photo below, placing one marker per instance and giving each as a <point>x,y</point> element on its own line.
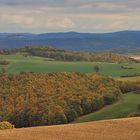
<point>63,55</point>
<point>30,99</point>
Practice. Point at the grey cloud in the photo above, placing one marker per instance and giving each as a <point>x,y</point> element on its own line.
<point>100,6</point>
<point>82,15</point>
<point>31,2</point>
<point>68,2</point>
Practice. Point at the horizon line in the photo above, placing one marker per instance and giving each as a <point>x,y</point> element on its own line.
<point>70,32</point>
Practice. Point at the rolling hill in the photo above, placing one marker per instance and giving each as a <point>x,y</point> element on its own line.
<point>74,41</point>
<point>65,55</point>
<point>121,129</point>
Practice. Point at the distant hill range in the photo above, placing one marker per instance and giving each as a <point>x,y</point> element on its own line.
<point>75,41</point>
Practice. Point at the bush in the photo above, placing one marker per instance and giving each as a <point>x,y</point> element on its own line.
<point>138,108</point>
<point>6,125</point>
<point>129,86</point>
<point>136,114</point>
<point>4,62</point>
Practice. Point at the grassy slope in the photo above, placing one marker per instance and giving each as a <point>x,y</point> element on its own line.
<point>122,129</point>
<point>20,63</point>
<point>127,105</point>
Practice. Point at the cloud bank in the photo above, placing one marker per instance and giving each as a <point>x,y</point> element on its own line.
<point>67,15</point>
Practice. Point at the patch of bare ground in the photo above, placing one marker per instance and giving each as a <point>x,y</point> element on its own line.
<point>120,129</point>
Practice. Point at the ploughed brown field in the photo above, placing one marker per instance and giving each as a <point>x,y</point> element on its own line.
<point>121,129</point>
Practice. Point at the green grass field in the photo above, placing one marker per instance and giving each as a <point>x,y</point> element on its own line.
<point>21,63</point>
<point>122,109</point>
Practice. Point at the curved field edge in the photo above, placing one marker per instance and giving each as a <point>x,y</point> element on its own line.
<point>112,129</point>
<point>128,104</point>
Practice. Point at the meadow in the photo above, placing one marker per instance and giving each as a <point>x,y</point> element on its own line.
<point>121,109</point>
<point>20,63</point>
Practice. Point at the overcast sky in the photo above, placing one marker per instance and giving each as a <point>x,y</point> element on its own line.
<point>40,16</point>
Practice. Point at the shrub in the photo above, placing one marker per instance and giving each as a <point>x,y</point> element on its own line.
<point>136,114</point>
<point>4,62</point>
<point>6,125</point>
<point>138,108</point>
<point>129,86</point>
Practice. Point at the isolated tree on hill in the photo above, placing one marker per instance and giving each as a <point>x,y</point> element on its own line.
<point>97,69</point>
